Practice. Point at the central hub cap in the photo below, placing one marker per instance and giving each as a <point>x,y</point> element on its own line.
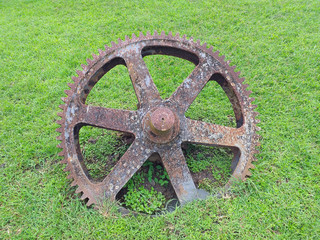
<point>161,125</point>
<point>162,120</point>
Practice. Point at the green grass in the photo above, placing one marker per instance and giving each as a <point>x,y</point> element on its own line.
<point>276,46</point>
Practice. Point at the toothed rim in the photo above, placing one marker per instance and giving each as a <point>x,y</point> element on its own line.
<point>155,36</point>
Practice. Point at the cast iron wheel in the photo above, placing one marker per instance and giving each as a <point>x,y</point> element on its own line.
<point>159,125</point>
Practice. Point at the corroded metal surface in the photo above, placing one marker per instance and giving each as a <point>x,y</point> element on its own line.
<point>159,125</point>
<point>162,120</point>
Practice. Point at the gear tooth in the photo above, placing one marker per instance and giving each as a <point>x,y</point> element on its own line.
<point>59,145</point>
<point>228,62</point>
<point>177,35</point>
<point>258,128</point>
<point>257,137</point>
<point>238,73</point>
<point>155,33</point>
<point>251,99</point>
<point>60,114</point>
<point>134,37</point>
<point>83,196</point>
<point>106,48</point>
<point>252,166</point>
<point>59,138</point>
<point>113,44</point>
<point>254,159</point>
<point>210,49</point>
<point>248,173</point>
<point>191,39</point>
<point>148,35</point>
<point>90,202</point>
<point>222,58</point>
<point>170,34</point>
<point>241,80</point>
<point>64,161</point>
<point>74,183</point>
<point>248,92</point>
<point>162,34</point>
<point>59,130</point>
<point>255,151</point>
<point>68,92</point>
<point>233,67</point>
<point>184,37</point>
<point>78,190</point>
<point>141,35</point>
<point>100,52</point>
<point>71,86</point>
<point>120,41</point>
<point>126,38</point>
<point>67,168</point>
<point>74,78</point>
<point>84,67</point>
<point>257,121</point>
<point>199,42</point>
<point>61,106</point>
<point>64,99</point>
<point>245,86</point>
<point>95,57</point>
<point>216,54</point>
<point>61,154</point>
<point>70,176</point>
<point>253,107</point>
<point>60,122</point>
<point>80,73</point>
<point>89,61</point>
<point>204,46</point>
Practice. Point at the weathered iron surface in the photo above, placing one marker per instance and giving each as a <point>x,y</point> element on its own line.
<point>159,125</point>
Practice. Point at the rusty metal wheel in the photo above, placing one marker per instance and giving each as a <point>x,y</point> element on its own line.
<point>159,125</point>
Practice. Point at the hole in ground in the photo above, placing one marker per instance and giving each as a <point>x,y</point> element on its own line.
<point>149,190</point>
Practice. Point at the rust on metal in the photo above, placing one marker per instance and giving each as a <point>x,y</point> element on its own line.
<point>162,120</point>
<point>159,125</point>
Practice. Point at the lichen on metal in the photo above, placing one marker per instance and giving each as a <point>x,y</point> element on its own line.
<point>159,125</point>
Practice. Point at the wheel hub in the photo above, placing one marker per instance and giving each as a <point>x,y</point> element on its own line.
<point>162,120</point>
<point>161,125</point>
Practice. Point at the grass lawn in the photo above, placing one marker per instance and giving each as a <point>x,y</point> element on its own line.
<point>275,45</point>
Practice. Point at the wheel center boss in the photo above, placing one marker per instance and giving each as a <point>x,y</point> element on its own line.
<point>161,125</point>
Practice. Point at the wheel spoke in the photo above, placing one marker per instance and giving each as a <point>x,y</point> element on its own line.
<point>144,87</point>
<point>113,119</point>
<point>211,134</point>
<point>193,84</point>
<point>125,168</point>
<point>180,176</point>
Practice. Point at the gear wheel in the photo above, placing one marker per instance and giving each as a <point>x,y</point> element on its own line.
<point>159,125</point>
